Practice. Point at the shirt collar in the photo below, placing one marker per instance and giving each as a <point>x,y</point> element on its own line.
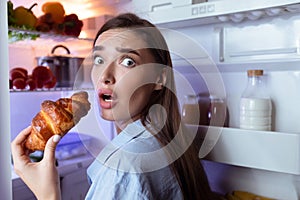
<point>132,130</point>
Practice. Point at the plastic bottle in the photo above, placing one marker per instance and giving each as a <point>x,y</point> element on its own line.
<point>255,104</point>
<point>190,110</point>
<point>217,112</point>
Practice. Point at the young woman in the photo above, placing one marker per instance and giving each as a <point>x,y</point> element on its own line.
<point>152,157</point>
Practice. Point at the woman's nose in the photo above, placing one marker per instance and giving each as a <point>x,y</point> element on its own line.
<point>107,76</point>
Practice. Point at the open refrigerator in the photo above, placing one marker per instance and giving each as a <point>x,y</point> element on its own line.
<point>80,146</point>
<point>219,41</point>
<point>227,37</point>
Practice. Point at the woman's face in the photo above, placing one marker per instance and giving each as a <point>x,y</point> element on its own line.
<point>124,75</point>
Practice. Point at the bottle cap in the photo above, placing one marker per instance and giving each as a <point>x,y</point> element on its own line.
<point>255,72</point>
<point>191,96</point>
<point>214,97</point>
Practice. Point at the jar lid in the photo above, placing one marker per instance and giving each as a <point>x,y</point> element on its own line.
<point>213,97</point>
<point>255,72</point>
<point>191,96</point>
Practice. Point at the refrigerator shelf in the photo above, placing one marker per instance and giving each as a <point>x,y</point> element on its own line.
<point>18,34</point>
<point>51,89</point>
<point>266,150</point>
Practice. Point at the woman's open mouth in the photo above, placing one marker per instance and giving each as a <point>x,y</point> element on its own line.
<point>106,98</point>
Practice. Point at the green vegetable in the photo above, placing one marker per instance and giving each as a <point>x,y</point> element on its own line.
<point>23,31</point>
<point>14,36</point>
<point>10,13</point>
<point>25,17</point>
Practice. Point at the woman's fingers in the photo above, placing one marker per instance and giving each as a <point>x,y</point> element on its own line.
<point>49,153</point>
<point>20,138</point>
<point>19,153</point>
<point>17,144</point>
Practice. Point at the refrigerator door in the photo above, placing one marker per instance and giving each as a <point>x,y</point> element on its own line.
<point>5,178</point>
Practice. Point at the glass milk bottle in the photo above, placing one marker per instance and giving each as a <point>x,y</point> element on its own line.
<point>255,104</point>
<point>190,109</point>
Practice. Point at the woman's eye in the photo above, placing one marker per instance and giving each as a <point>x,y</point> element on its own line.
<point>98,60</point>
<point>128,62</point>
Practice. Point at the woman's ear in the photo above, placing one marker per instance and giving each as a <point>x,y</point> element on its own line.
<point>161,80</point>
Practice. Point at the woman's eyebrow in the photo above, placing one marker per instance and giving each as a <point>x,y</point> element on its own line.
<point>98,48</point>
<point>127,50</point>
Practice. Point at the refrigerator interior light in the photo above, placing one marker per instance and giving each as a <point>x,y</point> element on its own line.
<point>237,17</point>
<point>224,18</point>
<point>273,11</point>
<point>216,11</point>
<point>256,14</point>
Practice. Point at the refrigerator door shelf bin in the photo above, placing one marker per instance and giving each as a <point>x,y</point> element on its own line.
<point>266,150</point>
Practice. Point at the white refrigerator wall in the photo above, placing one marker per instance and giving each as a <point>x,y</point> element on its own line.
<point>234,48</point>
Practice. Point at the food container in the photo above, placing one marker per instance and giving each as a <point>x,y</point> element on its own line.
<point>190,109</point>
<point>66,68</point>
<point>217,112</point>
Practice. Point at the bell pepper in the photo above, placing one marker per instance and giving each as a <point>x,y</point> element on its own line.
<point>72,25</point>
<point>44,23</point>
<point>25,17</point>
<point>56,9</point>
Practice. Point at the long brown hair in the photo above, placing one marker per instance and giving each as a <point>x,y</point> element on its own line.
<point>186,166</point>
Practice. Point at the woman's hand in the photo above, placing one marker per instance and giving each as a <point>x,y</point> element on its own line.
<point>41,177</point>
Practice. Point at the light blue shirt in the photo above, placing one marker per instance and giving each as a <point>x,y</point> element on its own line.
<point>133,166</point>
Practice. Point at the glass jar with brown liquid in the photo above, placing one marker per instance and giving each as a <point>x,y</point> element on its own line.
<point>217,112</point>
<point>190,110</point>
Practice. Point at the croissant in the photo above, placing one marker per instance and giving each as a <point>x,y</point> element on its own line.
<point>56,118</point>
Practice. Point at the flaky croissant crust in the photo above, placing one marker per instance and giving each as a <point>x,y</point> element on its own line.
<point>57,118</point>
